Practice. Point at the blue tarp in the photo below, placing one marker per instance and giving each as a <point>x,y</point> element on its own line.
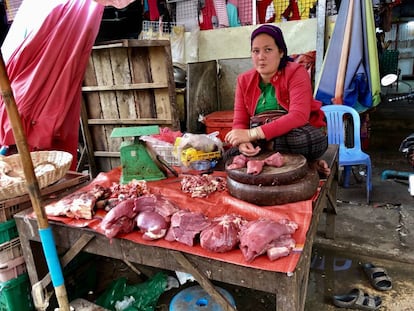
<point>361,88</point>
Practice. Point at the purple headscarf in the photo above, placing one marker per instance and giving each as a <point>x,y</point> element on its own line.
<point>277,35</point>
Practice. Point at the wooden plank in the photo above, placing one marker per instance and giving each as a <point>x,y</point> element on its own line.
<point>94,111</point>
<point>125,87</point>
<point>130,43</point>
<point>141,73</point>
<point>87,139</point>
<point>159,71</point>
<point>105,76</point>
<point>122,75</point>
<point>129,121</point>
<point>107,154</point>
<point>174,114</point>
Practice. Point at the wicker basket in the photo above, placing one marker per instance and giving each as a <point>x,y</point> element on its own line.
<point>49,167</point>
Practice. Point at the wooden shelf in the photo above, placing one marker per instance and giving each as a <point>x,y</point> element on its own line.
<point>127,83</point>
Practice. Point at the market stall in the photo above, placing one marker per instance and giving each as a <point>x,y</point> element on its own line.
<point>286,277</point>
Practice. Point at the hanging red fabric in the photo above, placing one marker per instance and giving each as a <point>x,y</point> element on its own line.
<point>46,71</point>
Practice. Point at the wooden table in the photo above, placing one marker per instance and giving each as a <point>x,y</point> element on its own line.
<point>290,290</point>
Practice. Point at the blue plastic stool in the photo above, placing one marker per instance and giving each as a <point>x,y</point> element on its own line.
<point>195,298</point>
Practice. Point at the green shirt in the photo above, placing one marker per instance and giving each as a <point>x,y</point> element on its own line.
<point>267,99</point>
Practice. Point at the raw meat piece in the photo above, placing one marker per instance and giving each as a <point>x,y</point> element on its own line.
<point>239,161</point>
<point>117,220</point>
<point>281,247</point>
<point>255,167</point>
<point>155,202</point>
<point>122,225</point>
<point>201,186</point>
<point>77,205</point>
<point>185,225</point>
<point>82,206</point>
<point>223,233</point>
<point>152,225</point>
<point>154,215</point>
<point>258,235</point>
<point>276,160</point>
<point>133,189</point>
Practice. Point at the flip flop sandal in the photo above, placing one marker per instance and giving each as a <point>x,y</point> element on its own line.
<point>378,277</point>
<point>357,299</point>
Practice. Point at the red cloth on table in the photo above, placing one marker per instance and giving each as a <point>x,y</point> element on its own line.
<point>216,204</point>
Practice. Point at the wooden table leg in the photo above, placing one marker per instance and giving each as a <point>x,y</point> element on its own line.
<point>331,208</point>
<point>203,281</point>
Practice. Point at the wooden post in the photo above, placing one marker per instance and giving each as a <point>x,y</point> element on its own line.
<point>33,189</point>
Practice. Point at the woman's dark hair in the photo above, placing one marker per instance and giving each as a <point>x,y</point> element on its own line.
<point>277,35</point>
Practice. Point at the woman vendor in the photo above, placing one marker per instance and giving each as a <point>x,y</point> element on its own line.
<point>274,107</point>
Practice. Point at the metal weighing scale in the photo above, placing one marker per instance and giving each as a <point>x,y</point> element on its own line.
<point>135,160</point>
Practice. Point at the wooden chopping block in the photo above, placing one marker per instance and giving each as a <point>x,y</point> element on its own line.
<point>300,190</point>
<point>295,168</point>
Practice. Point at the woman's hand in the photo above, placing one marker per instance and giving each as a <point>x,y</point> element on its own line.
<point>237,137</point>
<point>248,149</point>
<point>240,136</point>
<point>243,139</point>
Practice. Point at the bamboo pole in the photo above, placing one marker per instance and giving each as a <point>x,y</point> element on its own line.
<point>343,62</point>
<point>45,232</point>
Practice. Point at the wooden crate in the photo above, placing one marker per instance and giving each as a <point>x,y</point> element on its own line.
<point>127,83</point>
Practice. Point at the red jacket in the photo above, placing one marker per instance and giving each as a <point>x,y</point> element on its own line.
<point>293,92</point>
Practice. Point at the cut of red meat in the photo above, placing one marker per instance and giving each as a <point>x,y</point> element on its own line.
<point>185,226</point>
<point>223,233</point>
<point>154,215</point>
<point>157,203</point>
<point>258,235</point>
<point>238,161</point>
<point>122,225</point>
<point>116,220</point>
<point>152,225</point>
<point>276,160</point>
<point>255,167</point>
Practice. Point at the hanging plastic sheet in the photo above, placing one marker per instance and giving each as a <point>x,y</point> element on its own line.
<point>353,44</point>
<point>46,52</point>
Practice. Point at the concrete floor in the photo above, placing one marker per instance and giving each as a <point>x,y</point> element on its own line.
<point>381,232</point>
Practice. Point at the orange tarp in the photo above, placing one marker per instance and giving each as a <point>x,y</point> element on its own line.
<point>218,203</point>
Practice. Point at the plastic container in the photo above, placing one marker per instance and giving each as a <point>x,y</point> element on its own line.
<point>221,121</point>
<point>195,298</point>
<point>12,269</point>
<point>7,210</point>
<point>15,294</point>
<point>8,231</point>
<point>10,250</point>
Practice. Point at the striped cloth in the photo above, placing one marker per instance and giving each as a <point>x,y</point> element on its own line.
<point>221,11</point>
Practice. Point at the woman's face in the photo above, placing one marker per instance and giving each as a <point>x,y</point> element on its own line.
<point>266,56</point>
